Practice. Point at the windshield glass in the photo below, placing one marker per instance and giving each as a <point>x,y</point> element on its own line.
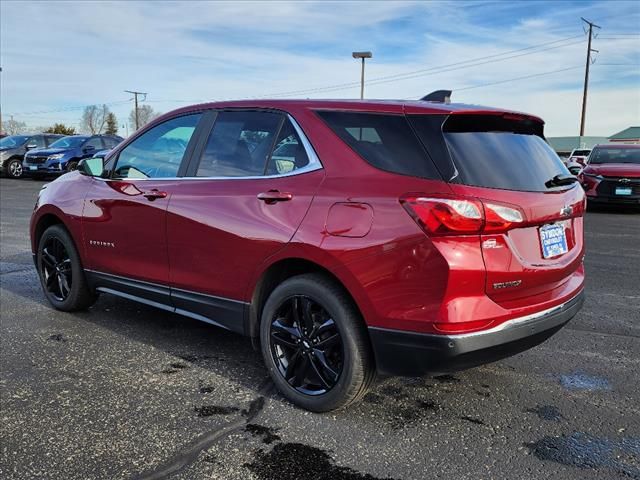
<point>68,142</point>
<point>13,141</point>
<point>615,155</point>
<point>580,153</point>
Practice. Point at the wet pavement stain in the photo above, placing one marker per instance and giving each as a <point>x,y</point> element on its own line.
<point>477,421</point>
<point>582,381</point>
<point>446,379</point>
<point>179,366</point>
<point>373,398</point>
<point>546,412</point>
<point>295,461</point>
<point>268,434</point>
<point>209,410</point>
<point>429,405</point>
<point>583,450</point>
<point>58,337</point>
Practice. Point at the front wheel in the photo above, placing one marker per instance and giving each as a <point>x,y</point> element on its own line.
<point>14,168</point>
<point>315,345</point>
<point>61,273</point>
<point>72,166</point>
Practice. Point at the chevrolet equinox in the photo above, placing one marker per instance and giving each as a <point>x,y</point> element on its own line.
<point>349,239</point>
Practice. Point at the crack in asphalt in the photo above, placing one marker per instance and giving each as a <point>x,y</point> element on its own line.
<point>189,454</point>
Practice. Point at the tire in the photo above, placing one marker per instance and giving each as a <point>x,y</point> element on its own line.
<point>57,256</point>
<point>13,168</point>
<point>350,366</point>
<point>72,166</point>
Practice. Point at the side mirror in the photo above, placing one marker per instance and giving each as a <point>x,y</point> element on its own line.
<point>92,167</point>
<point>31,146</point>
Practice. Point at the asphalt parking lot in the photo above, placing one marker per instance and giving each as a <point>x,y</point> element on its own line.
<point>126,391</point>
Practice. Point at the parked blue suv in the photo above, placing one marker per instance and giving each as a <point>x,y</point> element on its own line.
<point>63,155</point>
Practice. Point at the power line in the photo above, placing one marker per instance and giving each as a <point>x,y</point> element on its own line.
<point>517,78</point>
<point>433,70</point>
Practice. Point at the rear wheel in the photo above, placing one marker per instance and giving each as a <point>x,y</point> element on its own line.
<point>14,168</point>
<point>61,273</point>
<point>315,345</point>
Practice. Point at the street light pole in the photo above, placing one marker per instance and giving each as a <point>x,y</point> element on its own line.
<point>362,56</point>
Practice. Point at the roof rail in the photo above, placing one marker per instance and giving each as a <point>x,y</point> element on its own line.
<point>439,96</point>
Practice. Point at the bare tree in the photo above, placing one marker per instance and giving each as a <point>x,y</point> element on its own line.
<point>94,118</point>
<point>14,127</point>
<point>145,115</point>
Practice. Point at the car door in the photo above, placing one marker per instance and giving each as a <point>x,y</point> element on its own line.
<point>238,206</point>
<point>124,217</point>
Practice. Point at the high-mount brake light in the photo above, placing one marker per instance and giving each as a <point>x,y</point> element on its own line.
<point>448,215</point>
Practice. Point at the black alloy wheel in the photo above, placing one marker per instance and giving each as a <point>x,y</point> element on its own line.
<point>61,273</point>
<point>306,345</point>
<point>56,269</point>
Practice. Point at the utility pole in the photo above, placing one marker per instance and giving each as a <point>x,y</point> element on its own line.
<point>135,96</point>
<point>362,55</point>
<point>586,73</point>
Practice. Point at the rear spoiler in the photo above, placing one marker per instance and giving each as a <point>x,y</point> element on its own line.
<point>439,96</point>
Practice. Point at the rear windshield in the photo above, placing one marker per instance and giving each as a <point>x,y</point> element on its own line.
<point>615,155</point>
<point>499,152</point>
<point>581,153</point>
<point>384,141</point>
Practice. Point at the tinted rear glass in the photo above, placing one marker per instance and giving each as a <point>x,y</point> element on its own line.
<point>615,155</point>
<point>581,153</point>
<point>386,142</point>
<point>495,152</point>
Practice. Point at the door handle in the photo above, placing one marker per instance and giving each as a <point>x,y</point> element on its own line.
<point>151,195</point>
<point>273,196</point>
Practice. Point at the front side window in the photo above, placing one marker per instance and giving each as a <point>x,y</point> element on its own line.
<point>36,142</point>
<point>72,141</point>
<point>94,143</point>
<point>158,152</point>
<point>110,142</point>
<point>239,144</point>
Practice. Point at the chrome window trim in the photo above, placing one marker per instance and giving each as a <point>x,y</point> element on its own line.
<point>314,164</point>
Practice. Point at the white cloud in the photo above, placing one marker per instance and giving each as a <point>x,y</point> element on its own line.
<point>60,54</point>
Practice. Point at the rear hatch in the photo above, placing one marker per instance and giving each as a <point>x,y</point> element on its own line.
<point>532,237</point>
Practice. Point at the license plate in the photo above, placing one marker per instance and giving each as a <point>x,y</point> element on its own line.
<point>553,241</point>
<point>33,167</point>
<point>623,190</point>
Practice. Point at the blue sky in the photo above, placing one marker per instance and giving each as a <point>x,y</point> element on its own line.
<point>59,56</point>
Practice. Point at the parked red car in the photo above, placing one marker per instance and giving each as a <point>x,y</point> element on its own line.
<point>612,174</point>
<point>349,237</point>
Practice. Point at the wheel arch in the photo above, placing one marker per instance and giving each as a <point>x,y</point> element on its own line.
<point>286,267</point>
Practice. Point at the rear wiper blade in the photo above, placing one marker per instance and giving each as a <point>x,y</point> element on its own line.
<point>560,180</point>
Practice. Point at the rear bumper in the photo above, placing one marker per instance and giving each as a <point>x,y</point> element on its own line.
<point>413,354</point>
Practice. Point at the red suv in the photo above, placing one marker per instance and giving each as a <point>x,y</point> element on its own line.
<point>348,237</point>
<point>612,174</point>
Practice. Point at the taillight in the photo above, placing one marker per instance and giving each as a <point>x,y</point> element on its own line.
<point>448,215</point>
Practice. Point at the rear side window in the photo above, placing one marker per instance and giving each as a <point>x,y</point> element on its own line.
<point>288,154</point>
<point>497,152</point>
<point>386,142</point>
<point>239,144</point>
